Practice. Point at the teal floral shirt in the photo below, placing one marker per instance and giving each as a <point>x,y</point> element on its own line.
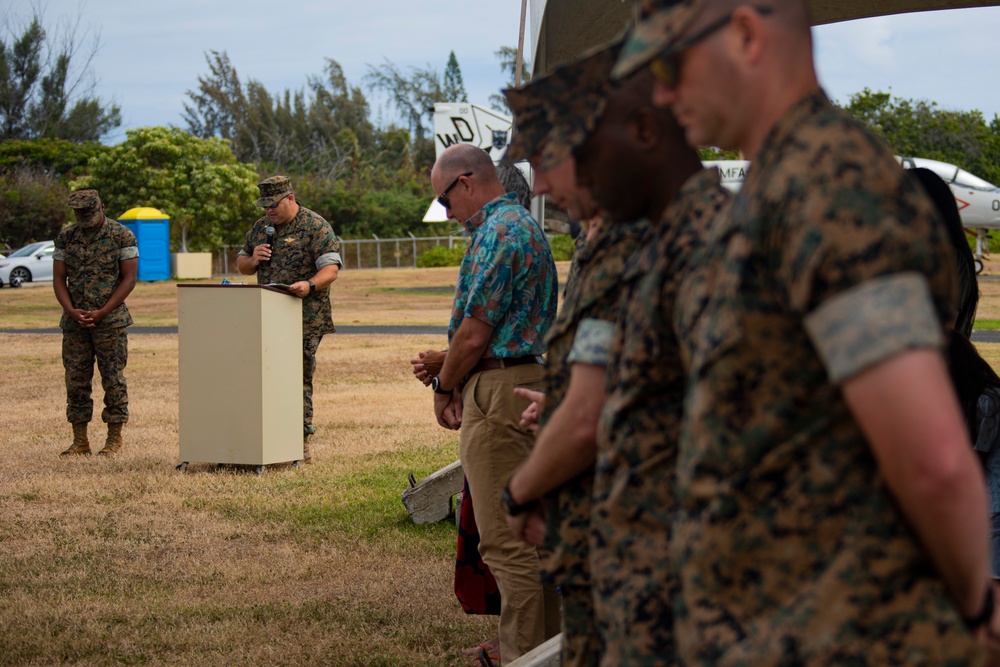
<point>507,280</point>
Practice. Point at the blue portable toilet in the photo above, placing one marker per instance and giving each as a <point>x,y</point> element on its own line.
<point>152,231</point>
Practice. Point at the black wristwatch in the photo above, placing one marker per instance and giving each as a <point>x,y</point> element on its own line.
<point>983,617</point>
<point>510,506</point>
<point>312,286</point>
<point>436,386</point>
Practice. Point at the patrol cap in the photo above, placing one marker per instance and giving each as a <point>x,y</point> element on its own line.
<point>84,198</point>
<point>530,124</point>
<point>660,24</point>
<point>273,190</point>
<point>556,113</point>
<point>86,202</point>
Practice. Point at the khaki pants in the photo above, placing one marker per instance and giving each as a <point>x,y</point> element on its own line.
<point>492,447</point>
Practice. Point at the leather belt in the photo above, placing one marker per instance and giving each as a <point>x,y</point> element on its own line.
<point>494,364</point>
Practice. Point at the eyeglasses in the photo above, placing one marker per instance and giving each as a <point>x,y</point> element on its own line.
<point>443,197</point>
<point>666,66</point>
<point>275,204</point>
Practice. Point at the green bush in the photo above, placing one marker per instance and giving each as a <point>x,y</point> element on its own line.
<point>563,247</point>
<point>441,255</point>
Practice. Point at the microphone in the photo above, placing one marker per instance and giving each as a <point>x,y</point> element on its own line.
<point>269,234</point>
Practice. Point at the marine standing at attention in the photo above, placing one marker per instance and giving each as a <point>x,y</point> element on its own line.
<point>95,265</point>
<point>304,254</point>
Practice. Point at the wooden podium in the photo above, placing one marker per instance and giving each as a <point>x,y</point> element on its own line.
<point>240,367</point>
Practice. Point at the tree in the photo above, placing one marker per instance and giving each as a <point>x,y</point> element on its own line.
<point>208,195</point>
<point>507,56</point>
<point>323,131</point>
<point>32,206</point>
<point>58,158</point>
<point>454,89</point>
<point>46,91</point>
<point>413,96</point>
<point>922,129</point>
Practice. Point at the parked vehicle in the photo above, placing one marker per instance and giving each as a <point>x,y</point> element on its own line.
<point>30,263</point>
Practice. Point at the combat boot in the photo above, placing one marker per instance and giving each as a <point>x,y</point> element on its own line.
<point>114,442</point>
<point>81,445</point>
<point>306,455</point>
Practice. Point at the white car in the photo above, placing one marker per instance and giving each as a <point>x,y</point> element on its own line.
<point>32,262</point>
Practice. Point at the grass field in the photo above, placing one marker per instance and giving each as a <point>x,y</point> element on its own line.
<point>127,561</point>
<point>130,562</point>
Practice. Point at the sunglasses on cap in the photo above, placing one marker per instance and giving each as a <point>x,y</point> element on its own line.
<point>666,66</point>
<point>443,197</point>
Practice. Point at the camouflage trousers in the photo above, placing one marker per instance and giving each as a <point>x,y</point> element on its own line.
<point>79,350</point>
<point>635,586</point>
<point>309,347</point>
<point>581,643</point>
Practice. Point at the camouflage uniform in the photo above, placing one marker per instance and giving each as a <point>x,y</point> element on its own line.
<point>301,247</point>
<point>789,547</point>
<point>92,255</point>
<point>638,433</point>
<point>554,116</point>
<point>582,333</point>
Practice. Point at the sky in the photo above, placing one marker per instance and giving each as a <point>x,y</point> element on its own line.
<point>152,53</point>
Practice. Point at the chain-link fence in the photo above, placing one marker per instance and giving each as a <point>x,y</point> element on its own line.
<point>373,253</point>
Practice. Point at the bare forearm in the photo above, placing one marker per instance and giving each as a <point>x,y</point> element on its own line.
<point>567,445</point>
<point>908,412</point>
<point>119,295</point>
<point>947,509</point>
<point>62,293</point>
<point>464,352</point>
<point>325,276</point>
<point>246,264</point>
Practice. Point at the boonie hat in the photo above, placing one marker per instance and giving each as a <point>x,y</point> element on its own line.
<point>273,190</point>
<point>660,24</point>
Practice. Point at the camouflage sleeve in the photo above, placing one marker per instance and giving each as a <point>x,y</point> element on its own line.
<point>248,241</point>
<point>592,343</point>
<point>128,246</point>
<point>329,259</point>
<point>325,246</point>
<point>844,234</point>
<point>872,322</point>
<point>59,254</point>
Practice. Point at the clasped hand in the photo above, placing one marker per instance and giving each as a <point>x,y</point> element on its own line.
<point>448,410</point>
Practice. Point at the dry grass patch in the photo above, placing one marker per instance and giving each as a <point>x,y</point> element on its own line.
<point>364,296</point>
<point>128,561</point>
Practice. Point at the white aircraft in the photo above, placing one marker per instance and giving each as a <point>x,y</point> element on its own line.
<point>978,200</point>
